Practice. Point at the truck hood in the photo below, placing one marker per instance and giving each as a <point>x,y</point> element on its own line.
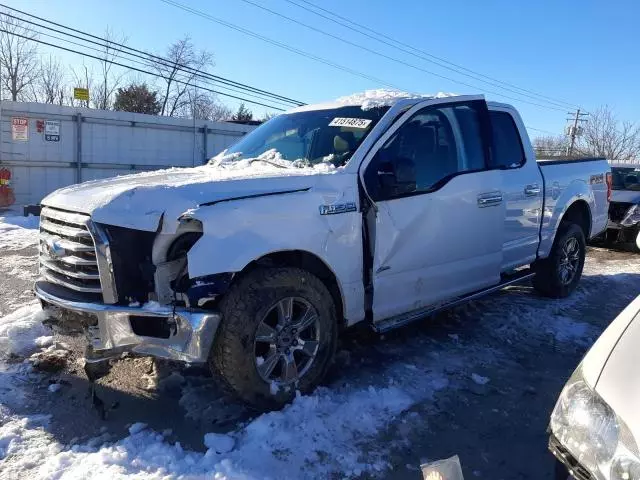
<point>139,201</point>
<point>619,381</point>
<point>628,196</point>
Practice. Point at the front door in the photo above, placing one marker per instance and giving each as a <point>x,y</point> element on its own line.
<point>440,214</point>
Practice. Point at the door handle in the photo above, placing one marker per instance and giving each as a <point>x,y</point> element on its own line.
<point>532,190</point>
<point>489,199</point>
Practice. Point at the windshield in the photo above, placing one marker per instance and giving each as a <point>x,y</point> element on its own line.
<point>625,178</point>
<point>311,137</point>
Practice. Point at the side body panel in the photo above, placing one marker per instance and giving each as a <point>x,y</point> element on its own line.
<point>566,183</point>
<point>522,191</point>
<point>241,231</point>
<point>433,246</point>
<point>438,246</point>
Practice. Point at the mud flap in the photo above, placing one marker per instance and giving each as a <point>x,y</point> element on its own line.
<point>96,367</point>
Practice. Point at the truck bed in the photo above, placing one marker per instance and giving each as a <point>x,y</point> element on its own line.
<point>567,180</point>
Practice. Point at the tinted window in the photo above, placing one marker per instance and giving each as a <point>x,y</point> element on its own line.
<point>431,147</point>
<point>507,147</point>
<point>625,178</point>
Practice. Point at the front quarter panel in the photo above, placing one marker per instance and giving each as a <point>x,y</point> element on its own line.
<point>237,232</point>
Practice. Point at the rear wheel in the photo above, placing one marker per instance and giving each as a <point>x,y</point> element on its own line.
<point>558,275</point>
<point>278,335</point>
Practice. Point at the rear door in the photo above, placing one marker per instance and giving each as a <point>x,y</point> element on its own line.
<point>439,219</point>
<point>521,186</point>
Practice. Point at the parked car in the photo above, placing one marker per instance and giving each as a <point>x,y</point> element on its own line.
<point>595,425</point>
<point>624,210</point>
<point>378,211</point>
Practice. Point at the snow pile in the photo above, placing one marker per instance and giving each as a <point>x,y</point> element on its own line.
<point>18,232</point>
<point>218,442</point>
<point>316,436</point>
<point>270,158</point>
<point>383,97</point>
<point>22,331</point>
<point>564,329</point>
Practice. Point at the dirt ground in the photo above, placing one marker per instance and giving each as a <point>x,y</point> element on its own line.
<point>524,345</point>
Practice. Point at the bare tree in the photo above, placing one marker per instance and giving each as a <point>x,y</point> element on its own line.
<point>202,105</point>
<point>179,74</point>
<point>109,78</point>
<point>604,135</point>
<point>18,57</point>
<point>550,146</point>
<point>51,83</point>
<point>82,78</point>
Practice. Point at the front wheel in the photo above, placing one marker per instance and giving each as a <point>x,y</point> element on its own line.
<point>278,334</point>
<point>557,276</point>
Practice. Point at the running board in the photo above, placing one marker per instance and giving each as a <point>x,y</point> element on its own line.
<point>401,320</point>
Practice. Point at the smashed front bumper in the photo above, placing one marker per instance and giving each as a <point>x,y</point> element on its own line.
<point>189,332</point>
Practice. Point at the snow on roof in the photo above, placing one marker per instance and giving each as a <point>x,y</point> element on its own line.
<point>381,97</point>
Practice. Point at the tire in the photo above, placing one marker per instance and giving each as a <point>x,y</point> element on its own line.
<point>550,280</point>
<point>254,329</point>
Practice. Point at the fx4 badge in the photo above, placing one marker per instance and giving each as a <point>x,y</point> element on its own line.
<point>338,208</point>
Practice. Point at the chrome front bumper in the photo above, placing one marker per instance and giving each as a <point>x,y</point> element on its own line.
<point>110,332</point>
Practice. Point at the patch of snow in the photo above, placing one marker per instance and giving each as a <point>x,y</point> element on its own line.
<point>219,443</point>
<point>137,428</point>
<point>44,341</point>
<point>383,97</point>
<point>18,232</point>
<point>317,436</point>
<point>21,330</point>
<point>54,387</point>
<point>270,159</point>
<point>479,379</point>
<point>564,329</point>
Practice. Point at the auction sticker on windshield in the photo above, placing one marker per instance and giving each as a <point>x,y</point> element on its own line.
<point>360,123</point>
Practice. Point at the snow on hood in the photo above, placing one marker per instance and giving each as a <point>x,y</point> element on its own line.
<point>381,97</point>
<point>139,200</point>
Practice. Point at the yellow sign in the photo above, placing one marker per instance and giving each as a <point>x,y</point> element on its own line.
<point>81,94</point>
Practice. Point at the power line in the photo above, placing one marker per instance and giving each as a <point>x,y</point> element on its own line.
<point>307,54</point>
<point>148,56</point>
<point>399,61</point>
<point>136,69</point>
<point>411,50</point>
<point>277,43</point>
<point>540,130</point>
<point>113,55</point>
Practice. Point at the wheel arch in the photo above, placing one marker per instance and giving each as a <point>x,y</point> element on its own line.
<point>306,261</point>
<point>579,213</point>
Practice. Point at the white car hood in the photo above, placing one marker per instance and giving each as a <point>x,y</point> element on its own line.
<point>139,201</point>
<point>619,380</point>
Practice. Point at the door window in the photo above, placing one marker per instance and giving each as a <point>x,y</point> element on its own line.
<point>429,149</point>
<point>507,144</point>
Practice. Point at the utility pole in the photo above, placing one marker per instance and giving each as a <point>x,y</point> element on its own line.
<point>574,130</point>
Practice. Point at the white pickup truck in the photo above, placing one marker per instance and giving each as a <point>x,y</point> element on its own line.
<point>374,208</point>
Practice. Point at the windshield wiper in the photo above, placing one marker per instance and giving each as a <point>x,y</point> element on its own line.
<point>270,162</point>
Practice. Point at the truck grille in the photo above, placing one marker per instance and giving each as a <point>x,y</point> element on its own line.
<point>67,251</point>
<point>617,210</point>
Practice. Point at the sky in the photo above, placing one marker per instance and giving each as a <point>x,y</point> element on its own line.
<point>577,53</point>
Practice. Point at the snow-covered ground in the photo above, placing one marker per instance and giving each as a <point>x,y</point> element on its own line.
<point>357,425</point>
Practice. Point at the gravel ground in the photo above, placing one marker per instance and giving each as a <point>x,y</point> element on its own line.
<point>504,360</point>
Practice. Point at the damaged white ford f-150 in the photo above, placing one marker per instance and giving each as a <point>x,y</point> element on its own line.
<point>369,209</point>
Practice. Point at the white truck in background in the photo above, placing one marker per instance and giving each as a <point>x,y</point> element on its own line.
<point>376,208</point>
